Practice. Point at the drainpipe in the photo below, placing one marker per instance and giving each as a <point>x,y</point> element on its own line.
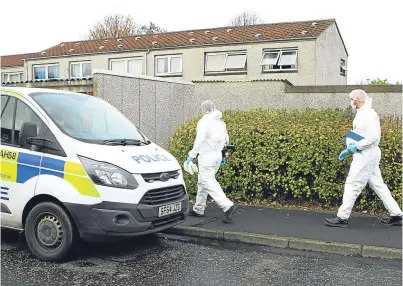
<point>148,51</point>
<point>26,74</point>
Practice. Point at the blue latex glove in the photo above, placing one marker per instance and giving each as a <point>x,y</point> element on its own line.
<point>343,154</point>
<point>353,148</point>
<point>223,160</point>
<point>189,159</point>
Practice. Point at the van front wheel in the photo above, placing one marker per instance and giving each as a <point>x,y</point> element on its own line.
<point>49,232</point>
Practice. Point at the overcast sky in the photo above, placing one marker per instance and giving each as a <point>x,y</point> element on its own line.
<point>373,38</point>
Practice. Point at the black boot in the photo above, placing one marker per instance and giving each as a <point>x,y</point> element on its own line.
<point>392,220</point>
<point>336,221</point>
<point>193,213</point>
<point>228,214</point>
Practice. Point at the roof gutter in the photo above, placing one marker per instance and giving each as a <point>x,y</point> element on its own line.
<point>177,47</point>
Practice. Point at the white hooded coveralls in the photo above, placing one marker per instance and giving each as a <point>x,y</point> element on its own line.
<point>365,165</point>
<point>211,138</point>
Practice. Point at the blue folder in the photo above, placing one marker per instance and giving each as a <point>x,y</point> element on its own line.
<point>354,136</point>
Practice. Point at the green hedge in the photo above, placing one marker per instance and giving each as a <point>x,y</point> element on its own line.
<point>291,156</point>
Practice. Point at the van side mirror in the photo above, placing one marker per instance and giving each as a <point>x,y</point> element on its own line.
<point>28,134</point>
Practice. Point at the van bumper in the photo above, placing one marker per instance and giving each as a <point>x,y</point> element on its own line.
<point>109,220</point>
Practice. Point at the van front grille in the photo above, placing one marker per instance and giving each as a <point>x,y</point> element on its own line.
<point>163,195</point>
<point>165,176</point>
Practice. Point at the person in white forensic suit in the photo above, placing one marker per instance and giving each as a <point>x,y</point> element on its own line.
<point>365,165</point>
<point>211,138</point>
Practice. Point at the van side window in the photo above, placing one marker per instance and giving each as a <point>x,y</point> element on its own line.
<point>25,114</point>
<point>14,113</point>
<point>7,117</point>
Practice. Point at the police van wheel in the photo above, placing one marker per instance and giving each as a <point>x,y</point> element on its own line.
<point>49,232</point>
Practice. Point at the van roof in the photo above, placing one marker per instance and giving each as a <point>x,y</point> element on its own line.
<point>28,90</point>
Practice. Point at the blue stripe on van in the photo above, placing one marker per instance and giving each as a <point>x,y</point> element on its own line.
<point>53,173</point>
<point>53,164</point>
<point>29,159</point>
<point>24,173</point>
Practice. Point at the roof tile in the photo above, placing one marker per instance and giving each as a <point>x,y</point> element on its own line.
<point>16,60</point>
<point>268,32</point>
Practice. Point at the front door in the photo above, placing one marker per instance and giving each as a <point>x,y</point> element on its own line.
<point>20,167</point>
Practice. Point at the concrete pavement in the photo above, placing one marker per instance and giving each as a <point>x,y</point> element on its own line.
<point>298,229</point>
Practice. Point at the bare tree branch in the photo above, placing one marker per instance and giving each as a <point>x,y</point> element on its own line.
<point>245,19</point>
<point>113,26</point>
<point>151,28</point>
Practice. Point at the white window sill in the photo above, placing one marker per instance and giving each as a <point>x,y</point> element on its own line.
<point>46,79</point>
<point>169,74</point>
<point>281,71</point>
<point>207,73</point>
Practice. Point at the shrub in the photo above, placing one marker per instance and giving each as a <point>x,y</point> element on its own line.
<point>286,155</point>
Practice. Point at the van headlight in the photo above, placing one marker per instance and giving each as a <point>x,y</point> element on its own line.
<point>109,175</point>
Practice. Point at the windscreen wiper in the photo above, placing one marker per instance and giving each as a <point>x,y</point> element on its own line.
<point>122,142</point>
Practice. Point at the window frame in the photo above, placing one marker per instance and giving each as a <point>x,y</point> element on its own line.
<point>3,77</point>
<point>280,51</point>
<point>343,67</point>
<point>46,71</point>
<point>81,69</point>
<point>169,57</point>
<point>226,70</point>
<point>126,60</point>
<point>9,74</point>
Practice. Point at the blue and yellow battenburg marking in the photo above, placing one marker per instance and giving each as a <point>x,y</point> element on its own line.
<point>19,167</point>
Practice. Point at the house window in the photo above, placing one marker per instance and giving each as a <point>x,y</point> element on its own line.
<point>80,70</point>
<point>274,60</point>
<point>343,67</point>
<point>118,66</point>
<point>43,72</point>
<point>12,77</point>
<point>168,65</point>
<point>225,62</point>
<point>135,66</point>
<point>130,65</point>
<point>15,77</point>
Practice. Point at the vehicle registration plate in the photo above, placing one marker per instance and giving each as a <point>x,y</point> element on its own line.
<point>169,209</point>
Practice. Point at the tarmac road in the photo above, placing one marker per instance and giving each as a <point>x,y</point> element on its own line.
<point>156,260</point>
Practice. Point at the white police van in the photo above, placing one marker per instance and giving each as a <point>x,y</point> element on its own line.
<point>73,166</point>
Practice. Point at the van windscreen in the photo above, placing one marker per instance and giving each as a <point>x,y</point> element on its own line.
<point>87,118</point>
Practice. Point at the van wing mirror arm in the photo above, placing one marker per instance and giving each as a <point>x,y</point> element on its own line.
<point>36,141</point>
